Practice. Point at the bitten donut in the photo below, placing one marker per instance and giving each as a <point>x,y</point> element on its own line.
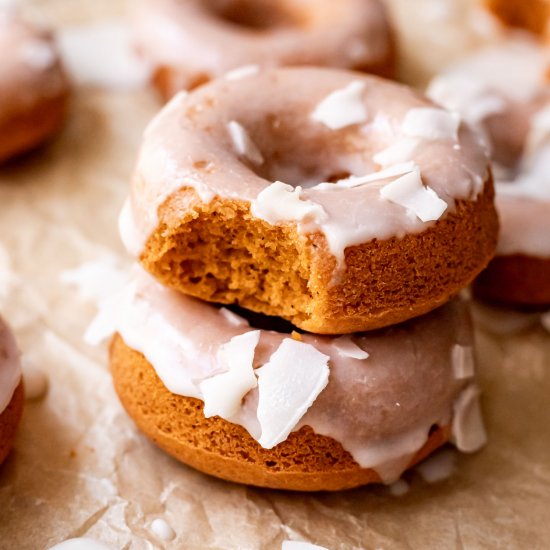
<point>515,121</point>
<point>33,87</point>
<point>386,209</point>
<point>299,412</point>
<point>192,42</point>
<point>11,390</point>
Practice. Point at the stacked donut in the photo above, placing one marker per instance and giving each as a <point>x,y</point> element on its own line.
<point>337,204</point>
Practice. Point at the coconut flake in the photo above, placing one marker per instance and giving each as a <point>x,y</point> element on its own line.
<point>162,530</point>
<point>299,545</point>
<point>343,107</point>
<point>223,393</point>
<point>438,467</point>
<point>346,347</point>
<point>280,202</point>
<point>241,72</point>
<point>35,380</point>
<point>233,318</point>
<point>408,191</point>
<point>399,488</point>
<point>288,385</point>
<point>397,153</point>
<point>38,54</point>
<point>463,361</point>
<point>81,543</point>
<point>243,143</point>
<point>431,123</point>
<point>468,431</point>
<point>356,181</point>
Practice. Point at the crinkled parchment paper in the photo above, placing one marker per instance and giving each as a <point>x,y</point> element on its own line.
<point>81,468</point>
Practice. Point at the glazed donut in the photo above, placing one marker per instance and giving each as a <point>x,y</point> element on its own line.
<point>208,217</point>
<point>515,121</point>
<point>33,87</point>
<point>192,42</point>
<point>298,412</point>
<point>11,390</point>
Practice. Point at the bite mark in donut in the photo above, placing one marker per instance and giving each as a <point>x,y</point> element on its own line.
<point>329,257</point>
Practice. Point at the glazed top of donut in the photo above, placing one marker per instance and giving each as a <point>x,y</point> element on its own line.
<point>10,367</point>
<point>31,71</point>
<point>515,121</point>
<point>215,36</point>
<point>239,139</point>
<point>377,393</point>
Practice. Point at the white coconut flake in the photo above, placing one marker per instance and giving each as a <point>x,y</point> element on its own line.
<point>463,361</point>
<point>38,54</point>
<point>35,380</point>
<point>431,123</point>
<point>243,143</point>
<point>438,467</point>
<point>81,543</point>
<point>223,393</point>
<point>398,488</point>
<point>280,202</point>
<point>288,385</point>
<point>346,347</point>
<point>343,107</point>
<point>381,175</point>
<point>408,191</point>
<point>242,72</point>
<point>468,430</point>
<point>102,54</point>
<point>299,545</point>
<point>162,529</point>
<point>397,153</point>
<point>233,318</point>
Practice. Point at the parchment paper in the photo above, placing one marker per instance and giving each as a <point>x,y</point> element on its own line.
<point>81,468</point>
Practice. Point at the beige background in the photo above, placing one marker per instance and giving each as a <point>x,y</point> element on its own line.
<point>81,468</point>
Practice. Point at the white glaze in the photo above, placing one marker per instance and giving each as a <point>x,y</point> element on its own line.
<point>503,91</point>
<point>187,146</point>
<point>299,545</point>
<point>468,429</point>
<point>10,365</point>
<point>438,467</point>
<point>381,408</point>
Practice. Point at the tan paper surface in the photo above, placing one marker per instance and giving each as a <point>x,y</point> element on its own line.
<point>81,468</point>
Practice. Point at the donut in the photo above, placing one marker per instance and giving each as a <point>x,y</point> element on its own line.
<point>386,210</point>
<point>33,87</point>
<point>531,15</point>
<point>11,390</point>
<point>291,411</point>
<point>515,122</point>
<point>188,43</point>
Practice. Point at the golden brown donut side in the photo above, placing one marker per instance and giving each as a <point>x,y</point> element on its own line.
<point>515,280</point>
<point>220,253</point>
<point>304,462</point>
<point>9,420</point>
<point>25,130</point>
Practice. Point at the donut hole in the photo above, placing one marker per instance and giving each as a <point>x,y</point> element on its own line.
<point>254,14</point>
<point>298,152</point>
